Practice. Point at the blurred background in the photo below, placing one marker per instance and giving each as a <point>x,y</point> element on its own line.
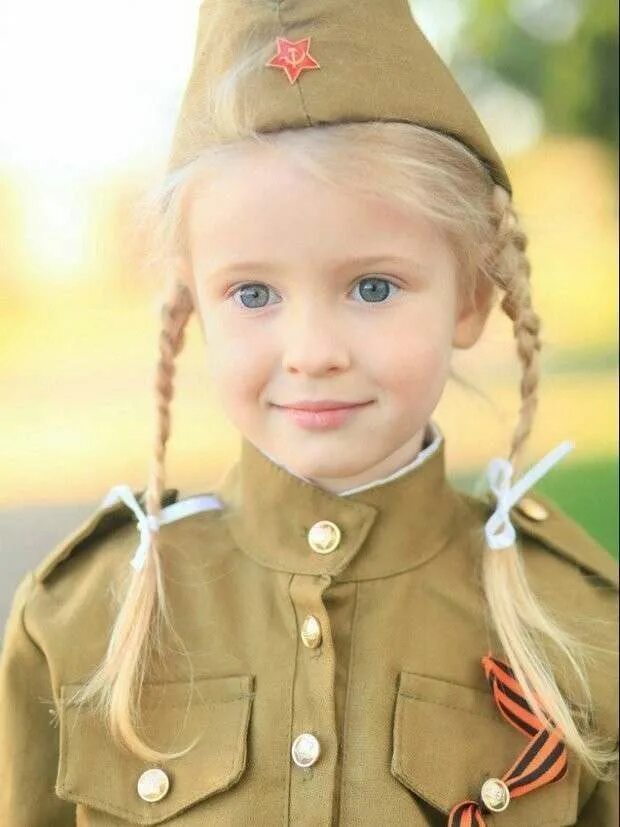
<point>88,99</point>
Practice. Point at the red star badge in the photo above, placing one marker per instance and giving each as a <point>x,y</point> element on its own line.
<point>293,57</point>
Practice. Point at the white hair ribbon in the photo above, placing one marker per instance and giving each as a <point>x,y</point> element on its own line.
<point>147,523</point>
<point>499,475</point>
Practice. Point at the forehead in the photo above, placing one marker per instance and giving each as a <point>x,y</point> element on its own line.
<point>262,199</point>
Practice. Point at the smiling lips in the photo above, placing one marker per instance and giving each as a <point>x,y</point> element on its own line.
<point>328,413</point>
<point>322,405</point>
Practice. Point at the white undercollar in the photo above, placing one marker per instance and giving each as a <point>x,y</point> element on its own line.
<point>433,433</point>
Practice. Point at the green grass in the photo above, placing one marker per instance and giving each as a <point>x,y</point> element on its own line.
<point>587,491</point>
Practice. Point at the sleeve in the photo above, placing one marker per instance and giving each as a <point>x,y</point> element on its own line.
<point>601,809</point>
<point>28,734</point>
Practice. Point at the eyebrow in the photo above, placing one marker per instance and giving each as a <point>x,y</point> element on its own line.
<point>334,264</point>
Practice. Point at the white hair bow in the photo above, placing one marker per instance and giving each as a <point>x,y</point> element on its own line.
<point>499,476</point>
<point>147,523</point>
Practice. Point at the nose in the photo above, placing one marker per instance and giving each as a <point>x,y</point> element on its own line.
<point>313,342</point>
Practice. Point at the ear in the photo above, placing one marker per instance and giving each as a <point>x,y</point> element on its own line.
<point>473,312</point>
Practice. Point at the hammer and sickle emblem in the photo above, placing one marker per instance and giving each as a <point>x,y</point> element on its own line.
<point>293,57</point>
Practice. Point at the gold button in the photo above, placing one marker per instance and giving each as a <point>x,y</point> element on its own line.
<point>305,750</point>
<point>311,632</point>
<point>495,794</point>
<point>153,785</point>
<point>324,537</point>
<point>532,509</point>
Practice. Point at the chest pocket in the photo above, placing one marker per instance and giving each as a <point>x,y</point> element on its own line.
<point>448,739</point>
<point>98,775</point>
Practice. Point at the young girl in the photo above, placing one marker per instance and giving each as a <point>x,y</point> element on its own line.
<point>335,634</point>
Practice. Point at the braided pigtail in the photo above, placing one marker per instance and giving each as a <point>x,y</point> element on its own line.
<point>517,616</point>
<point>136,636</point>
<point>514,278</point>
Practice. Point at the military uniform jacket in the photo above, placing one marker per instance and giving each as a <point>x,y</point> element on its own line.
<point>336,665</point>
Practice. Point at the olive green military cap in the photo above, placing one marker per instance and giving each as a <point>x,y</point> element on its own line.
<point>323,62</point>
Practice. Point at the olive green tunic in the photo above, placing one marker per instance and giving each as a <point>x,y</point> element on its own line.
<point>364,636</point>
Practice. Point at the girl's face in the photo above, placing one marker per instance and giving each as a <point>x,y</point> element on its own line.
<point>305,292</point>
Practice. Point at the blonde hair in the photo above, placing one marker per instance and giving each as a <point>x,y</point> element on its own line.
<point>429,172</point>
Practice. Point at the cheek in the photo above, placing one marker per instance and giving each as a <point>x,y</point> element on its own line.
<point>418,374</point>
<point>237,363</point>
<point>418,361</point>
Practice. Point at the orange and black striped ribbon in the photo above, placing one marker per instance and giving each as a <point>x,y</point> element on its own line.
<point>544,759</point>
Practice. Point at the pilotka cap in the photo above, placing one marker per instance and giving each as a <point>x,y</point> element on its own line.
<point>325,62</point>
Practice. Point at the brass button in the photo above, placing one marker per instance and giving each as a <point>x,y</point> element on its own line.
<point>305,750</point>
<point>311,632</point>
<point>153,785</point>
<point>495,794</point>
<point>532,509</point>
<point>324,537</point>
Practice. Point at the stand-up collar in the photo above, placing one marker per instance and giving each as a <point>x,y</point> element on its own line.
<point>384,529</point>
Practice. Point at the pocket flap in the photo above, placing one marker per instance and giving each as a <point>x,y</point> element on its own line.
<point>450,738</point>
<point>95,772</point>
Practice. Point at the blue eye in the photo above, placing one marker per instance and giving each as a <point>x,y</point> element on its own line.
<point>252,292</point>
<point>373,289</point>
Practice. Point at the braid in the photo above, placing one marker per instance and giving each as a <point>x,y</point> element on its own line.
<point>175,312</point>
<point>513,275</point>
<point>136,635</point>
<point>519,618</point>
